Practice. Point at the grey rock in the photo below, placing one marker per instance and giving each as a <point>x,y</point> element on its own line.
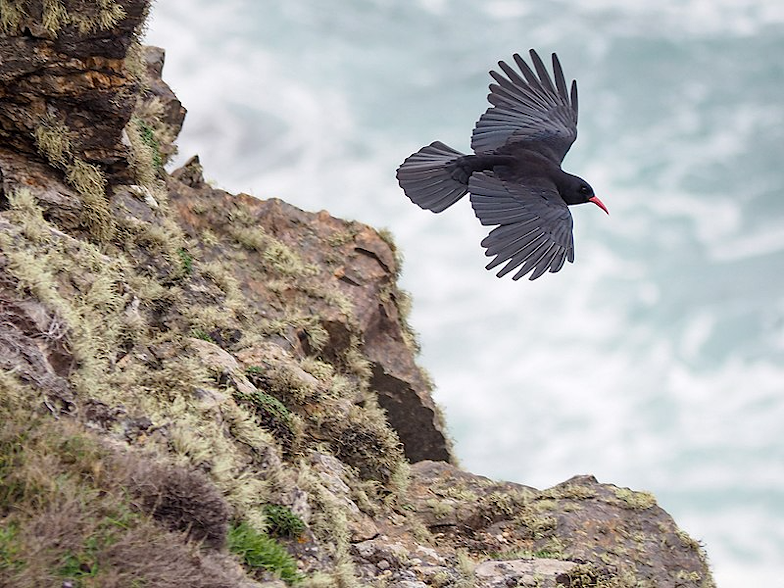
<point>541,573</point>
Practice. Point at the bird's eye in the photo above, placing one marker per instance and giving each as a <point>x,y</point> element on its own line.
<point>585,189</point>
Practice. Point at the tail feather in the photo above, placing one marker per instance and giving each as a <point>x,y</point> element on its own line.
<point>427,177</point>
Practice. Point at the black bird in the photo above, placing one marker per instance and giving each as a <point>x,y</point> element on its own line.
<point>515,176</point>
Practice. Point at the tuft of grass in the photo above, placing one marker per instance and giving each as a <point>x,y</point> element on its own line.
<point>465,567</point>
<point>203,335</point>
<point>339,238</point>
<point>181,500</point>
<point>266,402</point>
<point>25,211</point>
<point>538,526</point>
<point>90,182</point>
<point>10,549</point>
<point>11,14</point>
<point>146,157</point>
<point>109,14</point>
<point>90,311</point>
<point>54,15</point>
<point>186,261</point>
<point>260,552</point>
<point>98,15</point>
<point>271,413</point>
<point>281,522</point>
<point>330,524</point>
<point>81,564</point>
<point>148,137</point>
<point>440,509</point>
<point>635,500</point>
<point>278,258</point>
<point>52,138</point>
<point>569,491</point>
<point>363,439</point>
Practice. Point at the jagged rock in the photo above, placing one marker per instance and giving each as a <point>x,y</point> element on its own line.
<point>69,76</point>
<point>332,473</point>
<point>172,111</point>
<point>59,202</point>
<point>276,363</point>
<point>541,573</point>
<point>191,173</point>
<point>219,360</point>
<point>446,496</point>
<point>613,532</point>
<point>33,343</point>
<point>349,273</point>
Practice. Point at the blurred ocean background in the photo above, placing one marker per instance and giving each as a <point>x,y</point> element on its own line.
<point>656,361</point>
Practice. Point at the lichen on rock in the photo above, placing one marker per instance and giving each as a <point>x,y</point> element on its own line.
<point>207,389</point>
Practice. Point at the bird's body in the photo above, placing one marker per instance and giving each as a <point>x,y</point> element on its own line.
<point>514,176</point>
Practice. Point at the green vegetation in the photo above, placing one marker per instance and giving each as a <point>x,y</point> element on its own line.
<point>200,334</point>
<point>526,554</point>
<point>146,156</point>
<point>10,557</point>
<point>267,403</point>
<point>281,522</point>
<point>148,136</point>
<point>186,260</point>
<point>81,564</point>
<point>259,551</point>
<point>272,415</point>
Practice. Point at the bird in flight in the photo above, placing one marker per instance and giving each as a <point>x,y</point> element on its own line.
<point>514,176</point>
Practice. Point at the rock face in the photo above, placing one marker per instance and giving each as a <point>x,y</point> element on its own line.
<point>345,270</point>
<point>207,389</point>
<point>598,533</point>
<point>64,79</point>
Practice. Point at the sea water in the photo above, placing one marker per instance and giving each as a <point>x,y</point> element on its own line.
<point>656,361</point>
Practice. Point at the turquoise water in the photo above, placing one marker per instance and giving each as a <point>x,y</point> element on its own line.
<point>656,361</point>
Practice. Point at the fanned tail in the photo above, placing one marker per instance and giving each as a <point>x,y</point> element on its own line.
<point>430,180</point>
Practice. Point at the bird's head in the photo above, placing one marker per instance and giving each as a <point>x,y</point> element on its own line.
<point>576,190</point>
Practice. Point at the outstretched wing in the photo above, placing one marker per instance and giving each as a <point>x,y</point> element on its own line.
<point>529,109</point>
<point>535,225</point>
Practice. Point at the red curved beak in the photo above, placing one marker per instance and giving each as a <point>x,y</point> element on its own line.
<point>599,203</point>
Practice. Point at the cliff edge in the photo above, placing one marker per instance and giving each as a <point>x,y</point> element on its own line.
<point>206,389</point>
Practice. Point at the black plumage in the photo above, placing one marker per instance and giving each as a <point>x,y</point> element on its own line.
<point>514,176</point>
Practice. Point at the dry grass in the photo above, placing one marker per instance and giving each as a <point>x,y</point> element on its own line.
<point>72,509</point>
<point>55,14</point>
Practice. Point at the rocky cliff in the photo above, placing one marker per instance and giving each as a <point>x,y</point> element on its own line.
<point>207,389</point>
